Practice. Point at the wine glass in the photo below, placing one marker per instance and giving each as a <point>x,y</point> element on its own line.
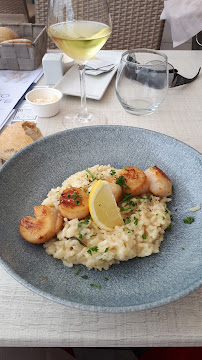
<point>79,28</point>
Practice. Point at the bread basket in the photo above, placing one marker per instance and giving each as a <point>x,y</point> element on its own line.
<point>23,56</point>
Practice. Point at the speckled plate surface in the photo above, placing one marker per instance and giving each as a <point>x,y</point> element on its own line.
<point>137,284</point>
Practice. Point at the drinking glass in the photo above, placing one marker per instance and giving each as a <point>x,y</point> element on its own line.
<point>142,80</point>
<point>79,28</point>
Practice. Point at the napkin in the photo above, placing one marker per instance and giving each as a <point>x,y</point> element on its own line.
<point>102,63</point>
<point>184,17</point>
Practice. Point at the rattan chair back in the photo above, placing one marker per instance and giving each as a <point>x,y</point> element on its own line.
<point>14,7</point>
<point>135,23</point>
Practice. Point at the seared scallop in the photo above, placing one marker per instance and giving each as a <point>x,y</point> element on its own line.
<point>134,181</point>
<point>115,188</point>
<point>74,203</point>
<point>159,183</point>
<point>44,227</point>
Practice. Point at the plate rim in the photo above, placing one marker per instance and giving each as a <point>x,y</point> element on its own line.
<point>77,305</point>
<point>101,309</point>
<point>45,138</point>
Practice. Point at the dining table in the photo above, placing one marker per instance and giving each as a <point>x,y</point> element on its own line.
<point>30,320</point>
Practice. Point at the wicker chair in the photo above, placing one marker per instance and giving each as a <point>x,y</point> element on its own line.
<point>136,23</point>
<point>15,9</point>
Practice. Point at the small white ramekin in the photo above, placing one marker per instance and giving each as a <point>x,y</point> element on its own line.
<point>48,109</point>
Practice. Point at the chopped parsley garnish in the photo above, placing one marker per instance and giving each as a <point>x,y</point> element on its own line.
<point>84,277</point>
<point>169,226</point>
<point>166,210</point>
<point>93,235</point>
<point>140,197</point>
<point>144,236</point>
<point>112,172</point>
<point>183,248</point>
<point>77,202</point>
<point>95,285</point>
<point>132,203</point>
<point>188,220</point>
<point>135,221</point>
<point>86,222</point>
<point>124,209</point>
<point>79,239</point>
<point>78,270</point>
<point>94,248</point>
<point>126,197</point>
<point>90,173</point>
<point>75,195</point>
<point>106,249</point>
<point>127,220</point>
<point>128,230</point>
<point>149,197</point>
<point>163,217</point>
<point>106,278</point>
<point>122,182</point>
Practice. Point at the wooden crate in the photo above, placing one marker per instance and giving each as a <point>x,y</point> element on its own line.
<point>24,56</point>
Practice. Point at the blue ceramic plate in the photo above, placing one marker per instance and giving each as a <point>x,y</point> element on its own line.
<point>137,284</point>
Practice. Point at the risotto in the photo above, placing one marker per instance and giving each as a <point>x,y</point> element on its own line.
<point>145,219</point>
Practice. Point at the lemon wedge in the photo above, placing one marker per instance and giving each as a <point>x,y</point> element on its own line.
<point>103,208</point>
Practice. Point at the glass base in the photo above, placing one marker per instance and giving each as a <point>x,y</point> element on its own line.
<point>139,112</point>
<point>139,106</point>
<point>71,120</point>
<point>84,118</point>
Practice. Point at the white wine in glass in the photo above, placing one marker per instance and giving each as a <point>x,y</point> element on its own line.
<point>79,28</point>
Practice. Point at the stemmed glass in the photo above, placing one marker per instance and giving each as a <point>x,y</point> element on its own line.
<point>79,28</point>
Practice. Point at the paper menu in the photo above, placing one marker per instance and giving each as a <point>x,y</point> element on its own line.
<point>22,113</point>
<point>13,85</point>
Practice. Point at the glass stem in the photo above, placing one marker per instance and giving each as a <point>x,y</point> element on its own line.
<point>83,115</point>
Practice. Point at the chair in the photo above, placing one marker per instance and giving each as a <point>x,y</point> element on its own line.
<point>15,11</point>
<point>136,23</point>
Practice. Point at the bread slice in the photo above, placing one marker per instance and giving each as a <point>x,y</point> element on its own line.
<point>17,41</point>
<point>16,137</point>
<point>7,34</point>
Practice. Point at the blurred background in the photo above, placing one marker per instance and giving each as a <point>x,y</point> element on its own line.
<point>33,11</point>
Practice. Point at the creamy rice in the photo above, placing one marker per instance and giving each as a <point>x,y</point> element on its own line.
<point>145,221</point>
